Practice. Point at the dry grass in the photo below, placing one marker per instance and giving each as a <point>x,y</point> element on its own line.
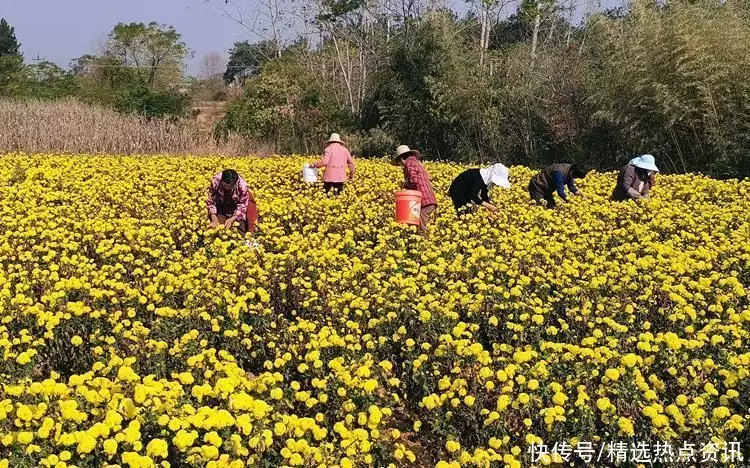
<point>70,126</point>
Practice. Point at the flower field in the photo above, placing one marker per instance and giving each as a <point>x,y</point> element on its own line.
<point>132,335</point>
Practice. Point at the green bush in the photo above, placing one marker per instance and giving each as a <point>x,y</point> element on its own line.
<point>672,80</point>
<point>150,103</point>
<point>372,143</point>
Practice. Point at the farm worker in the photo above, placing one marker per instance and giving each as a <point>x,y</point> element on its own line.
<point>416,178</point>
<point>555,178</point>
<point>636,179</point>
<point>229,201</point>
<point>336,159</point>
<point>473,186</point>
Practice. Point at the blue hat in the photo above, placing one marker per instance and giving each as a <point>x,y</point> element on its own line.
<point>647,162</point>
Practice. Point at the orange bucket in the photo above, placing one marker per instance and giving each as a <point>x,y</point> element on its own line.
<point>408,206</point>
<point>252,214</point>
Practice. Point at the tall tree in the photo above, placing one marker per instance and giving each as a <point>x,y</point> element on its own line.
<point>342,22</point>
<point>155,51</point>
<point>487,12</point>
<point>11,60</point>
<point>139,71</point>
<point>538,11</point>
<point>8,43</point>
<point>83,65</point>
<point>266,20</point>
<point>246,60</point>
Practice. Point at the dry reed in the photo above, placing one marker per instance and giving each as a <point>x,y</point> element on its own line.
<point>69,126</point>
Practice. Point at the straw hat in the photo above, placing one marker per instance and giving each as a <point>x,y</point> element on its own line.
<point>335,138</point>
<point>402,151</point>
<point>646,162</point>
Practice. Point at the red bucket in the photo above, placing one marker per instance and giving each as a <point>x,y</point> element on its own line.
<point>408,206</point>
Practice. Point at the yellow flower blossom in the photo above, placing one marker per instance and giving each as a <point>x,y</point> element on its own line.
<point>136,335</point>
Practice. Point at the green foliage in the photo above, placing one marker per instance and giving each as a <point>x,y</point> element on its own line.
<point>208,89</point>
<point>140,71</point>
<point>374,142</point>
<point>261,111</point>
<point>246,60</point>
<point>334,9</point>
<point>284,107</point>
<point>513,30</point>
<point>155,52</point>
<point>149,103</point>
<point>8,43</point>
<point>11,75</point>
<point>101,78</point>
<point>664,78</point>
<point>673,80</point>
<point>46,80</point>
<point>416,97</point>
<point>11,61</point>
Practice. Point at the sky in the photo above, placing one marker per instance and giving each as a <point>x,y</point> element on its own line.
<point>61,30</point>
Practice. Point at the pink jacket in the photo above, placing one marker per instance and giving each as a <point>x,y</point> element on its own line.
<point>335,159</point>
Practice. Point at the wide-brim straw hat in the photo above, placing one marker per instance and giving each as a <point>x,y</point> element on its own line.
<point>403,151</point>
<point>335,138</point>
<point>646,162</point>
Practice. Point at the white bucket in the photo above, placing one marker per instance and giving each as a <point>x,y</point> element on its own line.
<point>309,174</point>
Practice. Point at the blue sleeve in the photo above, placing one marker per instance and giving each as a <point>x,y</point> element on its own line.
<point>560,184</point>
<point>572,186</point>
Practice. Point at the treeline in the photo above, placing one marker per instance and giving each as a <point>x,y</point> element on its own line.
<point>139,71</point>
<point>667,78</point>
<point>664,78</point>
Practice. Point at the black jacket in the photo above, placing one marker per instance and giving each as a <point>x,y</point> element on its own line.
<point>468,187</point>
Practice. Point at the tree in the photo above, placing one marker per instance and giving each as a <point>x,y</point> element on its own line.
<point>150,103</point>
<point>139,71</point>
<point>343,22</point>
<point>510,31</point>
<point>487,11</point>
<point>11,61</point>
<point>264,19</point>
<point>667,78</point>
<point>212,65</point>
<point>286,106</point>
<point>246,60</point>
<point>428,78</point>
<point>48,81</point>
<point>538,11</point>
<point>156,52</point>
<point>83,65</point>
<point>210,84</point>
<point>100,78</point>
<point>8,43</point>
<point>672,81</point>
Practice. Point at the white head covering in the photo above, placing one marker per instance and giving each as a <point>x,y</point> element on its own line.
<point>497,174</point>
<point>647,162</point>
